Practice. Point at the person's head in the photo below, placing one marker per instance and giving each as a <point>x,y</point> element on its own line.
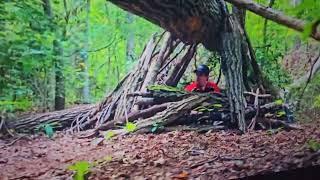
<point>202,73</point>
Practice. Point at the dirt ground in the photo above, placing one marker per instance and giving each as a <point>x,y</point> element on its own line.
<point>174,155</point>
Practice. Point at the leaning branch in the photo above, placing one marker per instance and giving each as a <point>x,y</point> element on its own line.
<point>276,16</point>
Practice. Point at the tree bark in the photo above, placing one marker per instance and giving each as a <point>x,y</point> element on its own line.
<point>86,85</point>
<point>191,21</point>
<point>205,22</point>
<point>232,61</point>
<point>59,99</point>
<point>60,83</point>
<point>180,67</point>
<point>130,55</point>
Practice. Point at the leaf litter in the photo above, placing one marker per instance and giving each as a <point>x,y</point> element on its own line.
<point>173,155</point>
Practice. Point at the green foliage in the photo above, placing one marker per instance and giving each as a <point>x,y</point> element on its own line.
<point>164,88</point>
<point>279,102</point>
<point>316,103</point>
<point>81,168</point>
<point>48,129</point>
<point>274,131</point>
<point>310,101</point>
<point>109,135</point>
<point>130,127</point>
<point>28,61</point>
<point>156,127</point>
<point>313,145</point>
<point>281,114</point>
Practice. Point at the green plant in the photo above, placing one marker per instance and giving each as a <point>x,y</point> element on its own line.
<point>316,103</point>
<point>274,131</point>
<point>48,128</point>
<point>313,145</point>
<point>279,102</point>
<point>130,127</point>
<point>108,135</point>
<point>156,127</point>
<point>81,168</point>
<point>281,114</point>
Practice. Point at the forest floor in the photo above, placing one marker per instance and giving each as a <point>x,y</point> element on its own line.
<point>173,155</point>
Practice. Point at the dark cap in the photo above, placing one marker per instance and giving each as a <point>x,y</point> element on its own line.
<point>202,69</point>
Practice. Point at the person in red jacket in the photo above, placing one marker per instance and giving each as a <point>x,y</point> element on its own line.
<point>202,84</point>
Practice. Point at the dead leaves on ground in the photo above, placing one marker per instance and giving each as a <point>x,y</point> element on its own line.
<point>174,155</point>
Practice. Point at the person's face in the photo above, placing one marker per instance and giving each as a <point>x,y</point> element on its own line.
<point>202,80</point>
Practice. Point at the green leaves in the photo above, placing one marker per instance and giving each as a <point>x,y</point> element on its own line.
<point>130,127</point>
<point>279,102</point>
<point>48,129</point>
<point>313,145</point>
<point>316,103</point>
<point>156,127</point>
<point>281,114</point>
<point>81,168</point>
<point>109,135</point>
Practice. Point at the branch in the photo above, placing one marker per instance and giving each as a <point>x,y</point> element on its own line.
<point>276,16</point>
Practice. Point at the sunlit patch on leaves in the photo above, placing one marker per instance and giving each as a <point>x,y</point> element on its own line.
<point>103,161</point>
<point>281,114</point>
<point>274,131</point>
<point>313,145</point>
<point>164,88</point>
<point>109,135</point>
<point>307,30</point>
<point>130,127</point>
<point>279,102</point>
<point>81,168</point>
<point>217,105</point>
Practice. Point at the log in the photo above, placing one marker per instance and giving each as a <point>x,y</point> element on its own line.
<point>29,123</point>
<point>142,114</point>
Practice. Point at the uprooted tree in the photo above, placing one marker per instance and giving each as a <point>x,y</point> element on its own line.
<point>166,57</point>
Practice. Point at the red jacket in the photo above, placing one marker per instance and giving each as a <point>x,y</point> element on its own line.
<point>210,87</point>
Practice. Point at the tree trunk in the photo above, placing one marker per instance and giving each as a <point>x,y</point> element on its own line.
<point>59,97</point>
<point>60,86</point>
<point>130,55</point>
<point>231,63</point>
<point>86,85</point>
<point>205,22</point>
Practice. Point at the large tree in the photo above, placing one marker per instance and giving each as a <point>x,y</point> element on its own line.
<point>209,22</point>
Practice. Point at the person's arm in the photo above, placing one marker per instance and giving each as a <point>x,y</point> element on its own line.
<point>215,87</point>
<point>190,87</point>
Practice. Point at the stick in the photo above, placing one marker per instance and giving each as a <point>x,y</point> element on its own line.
<point>257,107</point>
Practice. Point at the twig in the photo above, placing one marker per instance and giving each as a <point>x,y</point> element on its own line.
<point>204,162</point>
<point>259,95</point>
<point>183,48</point>
<point>14,141</point>
<point>257,107</point>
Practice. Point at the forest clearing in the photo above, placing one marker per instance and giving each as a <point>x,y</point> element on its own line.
<point>120,89</point>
